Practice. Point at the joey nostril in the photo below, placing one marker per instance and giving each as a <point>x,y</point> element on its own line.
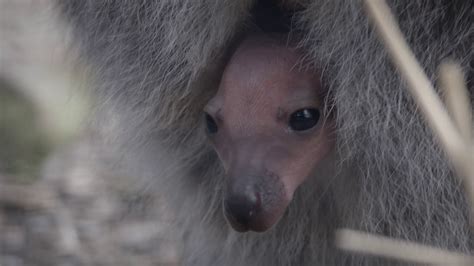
<point>241,210</point>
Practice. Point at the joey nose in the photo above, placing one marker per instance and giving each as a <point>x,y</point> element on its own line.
<point>242,210</point>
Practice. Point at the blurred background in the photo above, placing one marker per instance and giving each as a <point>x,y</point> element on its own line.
<point>65,198</point>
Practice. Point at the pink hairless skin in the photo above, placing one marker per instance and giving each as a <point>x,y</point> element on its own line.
<point>267,127</point>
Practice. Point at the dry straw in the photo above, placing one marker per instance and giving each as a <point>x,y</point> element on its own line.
<point>453,130</point>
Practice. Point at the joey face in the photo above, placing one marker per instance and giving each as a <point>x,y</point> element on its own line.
<point>267,126</point>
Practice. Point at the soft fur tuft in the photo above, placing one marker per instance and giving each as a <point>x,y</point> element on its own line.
<point>159,62</point>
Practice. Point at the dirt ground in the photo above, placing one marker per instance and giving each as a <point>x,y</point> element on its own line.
<point>65,199</point>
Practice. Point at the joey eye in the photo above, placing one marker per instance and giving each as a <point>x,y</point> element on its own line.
<point>304,119</point>
<point>211,124</point>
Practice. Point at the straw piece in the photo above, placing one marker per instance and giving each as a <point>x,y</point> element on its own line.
<point>458,103</point>
<point>455,139</point>
<point>26,196</point>
<point>419,85</point>
<point>403,250</point>
<point>458,148</point>
<point>456,97</point>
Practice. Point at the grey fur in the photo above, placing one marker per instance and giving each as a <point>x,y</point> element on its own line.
<point>158,63</point>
